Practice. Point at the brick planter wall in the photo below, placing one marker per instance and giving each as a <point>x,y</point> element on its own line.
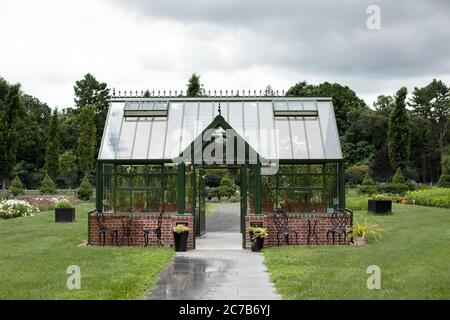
<point>139,223</point>
<point>297,222</point>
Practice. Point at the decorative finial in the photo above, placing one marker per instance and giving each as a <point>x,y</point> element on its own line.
<point>220,110</point>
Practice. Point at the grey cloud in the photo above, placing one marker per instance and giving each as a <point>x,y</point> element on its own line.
<point>323,37</point>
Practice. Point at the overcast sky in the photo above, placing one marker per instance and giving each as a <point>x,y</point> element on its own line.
<point>47,45</point>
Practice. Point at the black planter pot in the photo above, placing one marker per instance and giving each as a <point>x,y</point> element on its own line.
<point>380,206</point>
<point>64,214</point>
<point>258,244</point>
<point>181,241</point>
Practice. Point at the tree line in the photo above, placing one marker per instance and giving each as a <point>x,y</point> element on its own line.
<point>412,134</point>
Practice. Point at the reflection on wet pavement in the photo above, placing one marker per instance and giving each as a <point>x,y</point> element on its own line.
<point>215,274</point>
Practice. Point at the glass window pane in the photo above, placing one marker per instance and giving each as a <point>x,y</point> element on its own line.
<point>251,124</point>
<point>139,201</point>
<point>142,139</point>
<point>280,105</point>
<point>283,139</point>
<point>173,138</point>
<point>329,131</point>
<point>126,139</point>
<point>236,117</point>
<point>156,148</point>
<point>299,147</point>
<point>189,124</point>
<point>269,149</point>
<point>123,200</point>
<point>111,136</point>
<point>205,116</point>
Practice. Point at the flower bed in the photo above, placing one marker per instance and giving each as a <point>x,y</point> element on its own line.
<point>433,197</point>
<point>16,208</point>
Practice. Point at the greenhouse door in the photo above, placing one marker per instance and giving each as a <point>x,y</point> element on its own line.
<point>200,210</point>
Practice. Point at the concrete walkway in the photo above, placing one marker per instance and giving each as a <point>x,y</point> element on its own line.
<point>225,218</point>
<point>219,269</point>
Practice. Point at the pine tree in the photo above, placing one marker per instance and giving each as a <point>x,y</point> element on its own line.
<point>68,167</point>
<point>398,178</point>
<point>86,141</point>
<point>53,147</point>
<point>47,185</point>
<point>398,132</point>
<point>89,91</point>
<point>10,113</point>
<point>85,189</point>
<point>147,94</point>
<point>195,88</point>
<point>16,187</point>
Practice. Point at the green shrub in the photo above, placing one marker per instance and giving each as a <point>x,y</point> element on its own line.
<point>16,187</point>
<point>444,180</point>
<point>354,175</point>
<point>47,185</point>
<point>227,187</point>
<point>85,189</point>
<point>398,177</point>
<point>368,185</point>
<point>381,197</point>
<point>63,203</point>
<point>433,197</point>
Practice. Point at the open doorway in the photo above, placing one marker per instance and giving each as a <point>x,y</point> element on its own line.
<point>219,216</point>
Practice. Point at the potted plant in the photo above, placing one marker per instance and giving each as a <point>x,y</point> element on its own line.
<point>380,204</point>
<point>362,231</point>
<point>64,211</point>
<point>180,236</point>
<point>257,236</point>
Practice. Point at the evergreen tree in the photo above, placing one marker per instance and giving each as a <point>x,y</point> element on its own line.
<point>10,114</point>
<point>68,167</point>
<point>89,91</point>
<point>147,94</point>
<point>398,177</point>
<point>86,141</point>
<point>53,147</point>
<point>444,180</point>
<point>16,187</point>
<point>195,88</point>
<point>433,102</point>
<point>398,132</point>
<point>85,189</point>
<point>47,185</point>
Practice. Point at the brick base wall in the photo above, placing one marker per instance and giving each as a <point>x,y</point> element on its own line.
<point>139,223</point>
<point>297,222</point>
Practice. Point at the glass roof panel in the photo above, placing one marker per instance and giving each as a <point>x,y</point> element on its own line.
<point>126,141</point>
<point>110,141</point>
<point>141,142</point>
<point>190,123</point>
<point>164,138</point>
<point>284,139</point>
<point>329,130</point>
<point>174,130</point>
<point>235,117</point>
<point>251,124</point>
<point>157,139</point>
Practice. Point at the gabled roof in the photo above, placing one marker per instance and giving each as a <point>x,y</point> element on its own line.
<point>165,138</point>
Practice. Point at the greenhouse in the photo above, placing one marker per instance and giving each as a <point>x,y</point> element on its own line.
<point>155,150</point>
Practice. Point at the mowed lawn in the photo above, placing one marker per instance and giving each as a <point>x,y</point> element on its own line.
<point>35,253</point>
<point>414,257</point>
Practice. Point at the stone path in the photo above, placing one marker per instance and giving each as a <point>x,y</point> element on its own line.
<point>225,218</point>
<point>219,269</point>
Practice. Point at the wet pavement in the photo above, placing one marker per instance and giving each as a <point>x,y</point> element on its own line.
<point>219,269</point>
<point>225,218</point>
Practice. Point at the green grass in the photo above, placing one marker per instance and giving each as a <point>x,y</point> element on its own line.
<point>413,256</point>
<point>35,253</point>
